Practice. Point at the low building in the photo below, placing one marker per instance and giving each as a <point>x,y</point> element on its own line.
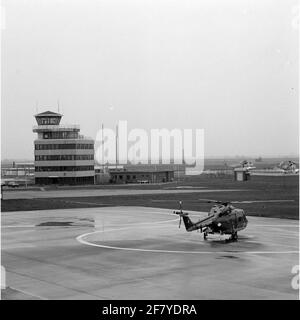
<point>62,155</point>
<point>146,176</point>
<point>178,169</point>
<point>102,175</point>
<point>20,173</point>
<point>241,174</point>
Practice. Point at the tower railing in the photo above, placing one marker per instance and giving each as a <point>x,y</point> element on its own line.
<point>55,127</point>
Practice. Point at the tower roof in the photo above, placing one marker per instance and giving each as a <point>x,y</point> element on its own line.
<point>48,113</point>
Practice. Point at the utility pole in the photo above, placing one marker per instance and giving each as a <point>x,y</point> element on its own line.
<point>117,145</point>
<point>102,147</point>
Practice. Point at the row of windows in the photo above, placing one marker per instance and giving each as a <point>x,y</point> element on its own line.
<point>56,146</point>
<point>60,157</point>
<point>64,168</point>
<point>65,180</point>
<point>60,135</point>
<point>133,177</point>
<point>48,120</point>
<point>128,177</point>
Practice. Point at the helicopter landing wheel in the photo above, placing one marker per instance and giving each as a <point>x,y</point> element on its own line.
<point>205,236</point>
<point>234,236</point>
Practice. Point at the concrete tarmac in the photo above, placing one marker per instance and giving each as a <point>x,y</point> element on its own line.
<point>34,194</point>
<point>140,253</point>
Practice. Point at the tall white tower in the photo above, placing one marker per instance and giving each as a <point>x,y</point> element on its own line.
<point>62,155</point>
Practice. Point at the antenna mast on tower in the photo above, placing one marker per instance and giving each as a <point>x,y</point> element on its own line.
<point>117,145</point>
<point>102,128</point>
<point>36,107</point>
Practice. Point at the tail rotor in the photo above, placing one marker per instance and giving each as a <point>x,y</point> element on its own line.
<point>179,213</point>
<point>189,225</point>
<point>180,216</point>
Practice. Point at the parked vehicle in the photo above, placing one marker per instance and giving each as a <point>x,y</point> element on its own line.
<point>13,184</point>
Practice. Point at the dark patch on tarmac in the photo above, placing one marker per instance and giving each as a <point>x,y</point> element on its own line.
<point>77,223</point>
<point>87,219</point>
<point>14,294</point>
<point>55,224</point>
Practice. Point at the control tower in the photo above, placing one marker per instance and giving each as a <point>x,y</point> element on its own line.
<point>62,155</point>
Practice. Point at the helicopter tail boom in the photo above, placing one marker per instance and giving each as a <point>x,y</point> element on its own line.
<point>189,225</point>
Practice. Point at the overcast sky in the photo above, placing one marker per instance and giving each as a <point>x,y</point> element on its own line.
<point>230,67</point>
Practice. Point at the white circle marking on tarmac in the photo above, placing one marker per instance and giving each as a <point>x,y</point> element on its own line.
<point>19,226</point>
<point>85,242</point>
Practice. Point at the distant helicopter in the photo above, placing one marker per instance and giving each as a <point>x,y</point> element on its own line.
<point>288,166</point>
<point>247,165</point>
<point>223,218</point>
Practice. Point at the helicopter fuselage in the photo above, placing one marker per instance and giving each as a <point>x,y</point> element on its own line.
<point>221,219</point>
<point>229,223</point>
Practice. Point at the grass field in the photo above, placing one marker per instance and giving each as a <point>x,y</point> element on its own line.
<point>258,188</point>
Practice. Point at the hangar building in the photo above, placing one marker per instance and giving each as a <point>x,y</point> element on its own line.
<point>141,176</point>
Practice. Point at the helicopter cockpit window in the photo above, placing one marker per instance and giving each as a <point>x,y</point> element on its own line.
<point>214,210</point>
<point>225,210</point>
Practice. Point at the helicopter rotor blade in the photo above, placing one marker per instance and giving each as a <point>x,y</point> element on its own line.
<point>261,201</point>
<point>207,200</point>
<point>213,201</point>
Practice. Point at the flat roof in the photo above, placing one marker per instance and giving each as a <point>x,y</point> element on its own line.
<point>138,171</point>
